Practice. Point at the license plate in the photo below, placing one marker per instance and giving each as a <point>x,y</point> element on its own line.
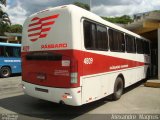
<point>41,76</point>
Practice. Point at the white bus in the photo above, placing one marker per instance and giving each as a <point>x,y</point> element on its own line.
<point>72,56</point>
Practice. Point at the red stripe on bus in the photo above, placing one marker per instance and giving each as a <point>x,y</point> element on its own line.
<point>45,29</point>
<point>101,64</point>
<point>33,24</point>
<point>36,18</point>
<point>34,29</point>
<point>48,23</point>
<point>39,24</point>
<point>49,17</point>
<point>42,35</point>
<point>34,34</point>
<point>34,39</point>
<point>42,19</point>
<point>39,28</point>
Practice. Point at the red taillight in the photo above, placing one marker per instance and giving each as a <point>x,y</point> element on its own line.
<point>65,61</point>
<point>73,65</point>
<point>74,71</point>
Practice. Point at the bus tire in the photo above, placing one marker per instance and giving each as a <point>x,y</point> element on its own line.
<point>118,88</point>
<point>5,72</point>
<point>148,74</point>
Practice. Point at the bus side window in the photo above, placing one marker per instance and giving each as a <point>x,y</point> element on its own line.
<point>116,41</point>
<point>16,51</point>
<point>5,52</point>
<point>8,51</point>
<point>130,44</point>
<point>89,35</point>
<point>102,38</point>
<point>146,47</point>
<point>140,46</point>
<point>1,51</point>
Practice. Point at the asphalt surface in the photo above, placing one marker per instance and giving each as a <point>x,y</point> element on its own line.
<point>15,105</point>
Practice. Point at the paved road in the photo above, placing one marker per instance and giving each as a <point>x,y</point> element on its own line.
<point>15,104</point>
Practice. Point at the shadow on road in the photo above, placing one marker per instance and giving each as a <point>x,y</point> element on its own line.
<point>29,106</point>
<point>33,107</point>
<point>16,75</point>
<point>128,89</point>
<point>13,75</point>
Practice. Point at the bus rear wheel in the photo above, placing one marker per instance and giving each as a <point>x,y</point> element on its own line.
<point>5,72</point>
<point>118,88</point>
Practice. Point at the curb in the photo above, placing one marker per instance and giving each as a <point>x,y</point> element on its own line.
<point>152,84</point>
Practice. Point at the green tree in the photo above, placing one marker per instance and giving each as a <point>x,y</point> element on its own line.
<point>3,2</point>
<point>82,5</point>
<point>4,19</point>
<point>17,28</point>
<point>3,28</point>
<point>122,19</point>
<point>4,22</point>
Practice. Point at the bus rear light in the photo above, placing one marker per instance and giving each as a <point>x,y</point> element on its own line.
<point>74,65</point>
<point>67,96</point>
<point>65,63</point>
<point>79,91</point>
<point>74,77</point>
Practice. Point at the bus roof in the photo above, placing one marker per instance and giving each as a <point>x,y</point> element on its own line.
<point>87,14</point>
<point>10,44</point>
<point>92,16</point>
<point>67,16</point>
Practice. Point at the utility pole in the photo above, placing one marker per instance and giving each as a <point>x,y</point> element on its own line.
<point>90,2</point>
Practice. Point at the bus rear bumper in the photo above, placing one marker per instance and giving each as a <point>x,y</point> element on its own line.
<point>68,96</point>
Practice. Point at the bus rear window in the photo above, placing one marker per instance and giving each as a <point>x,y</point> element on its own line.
<point>43,56</point>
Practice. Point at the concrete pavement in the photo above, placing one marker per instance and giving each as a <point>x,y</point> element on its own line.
<point>137,99</point>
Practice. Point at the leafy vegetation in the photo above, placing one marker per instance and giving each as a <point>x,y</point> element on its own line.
<point>3,2</point>
<point>158,11</point>
<point>4,22</point>
<point>15,28</point>
<point>3,28</point>
<point>4,19</point>
<point>121,20</point>
<point>82,5</point>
